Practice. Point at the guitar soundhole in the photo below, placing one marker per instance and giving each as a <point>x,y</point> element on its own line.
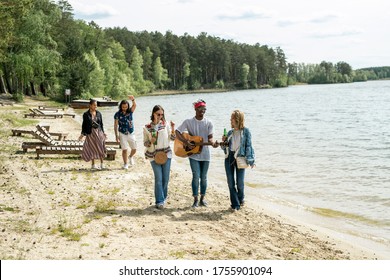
<point>187,148</point>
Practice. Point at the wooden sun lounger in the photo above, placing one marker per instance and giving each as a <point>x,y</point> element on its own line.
<point>59,114</point>
<point>51,146</point>
<point>18,132</point>
<point>64,144</point>
<point>36,114</point>
<point>47,140</point>
<point>46,137</point>
<point>67,143</point>
<point>48,108</point>
<point>111,152</point>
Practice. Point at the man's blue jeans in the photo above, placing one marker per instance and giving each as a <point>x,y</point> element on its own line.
<point>199,176</point>
<point>161,180</point>
<point>236,193</point>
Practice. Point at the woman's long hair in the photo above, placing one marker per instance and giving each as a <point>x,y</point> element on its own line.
<point>239,117</point>
<point>155,109</point>
<point>128,111</point>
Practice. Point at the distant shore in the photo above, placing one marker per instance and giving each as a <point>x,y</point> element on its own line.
<point>169,92</point>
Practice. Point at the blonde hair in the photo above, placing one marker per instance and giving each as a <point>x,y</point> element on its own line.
<point>239,118</point>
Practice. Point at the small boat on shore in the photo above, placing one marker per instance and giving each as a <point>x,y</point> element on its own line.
<point>101,102</point>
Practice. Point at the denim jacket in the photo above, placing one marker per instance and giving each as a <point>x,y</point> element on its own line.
<point>246,149</point>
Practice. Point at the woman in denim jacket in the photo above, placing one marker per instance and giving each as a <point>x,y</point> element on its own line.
<point>237,142</point>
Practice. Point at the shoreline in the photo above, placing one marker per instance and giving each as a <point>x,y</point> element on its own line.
<point>57,208</point>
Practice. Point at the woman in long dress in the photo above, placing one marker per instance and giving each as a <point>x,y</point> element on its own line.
<point>93,131</point>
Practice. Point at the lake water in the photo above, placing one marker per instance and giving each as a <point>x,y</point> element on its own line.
<point>322,152</point>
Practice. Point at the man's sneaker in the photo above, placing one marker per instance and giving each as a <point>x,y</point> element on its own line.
<point>131,160</point>
<point>93,167</point>
<point>203,203</point>
<point>125,166</point>
<point>160,206</point>
<point>195,204</point>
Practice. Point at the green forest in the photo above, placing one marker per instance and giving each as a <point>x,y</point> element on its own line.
<point>44,50</point>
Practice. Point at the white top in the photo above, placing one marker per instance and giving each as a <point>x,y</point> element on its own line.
<point>201,128</point>
<point>163,139</point>
<point>236,140</point>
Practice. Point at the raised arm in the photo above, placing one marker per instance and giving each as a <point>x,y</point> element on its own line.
<point>133,103</point>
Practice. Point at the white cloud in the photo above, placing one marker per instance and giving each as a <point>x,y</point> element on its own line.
<point>345,33</point>
<point>246,15</point>
<point>324,18</point>
<point>93,11</point>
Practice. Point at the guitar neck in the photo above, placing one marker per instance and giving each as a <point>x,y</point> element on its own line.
<point>204,144</point>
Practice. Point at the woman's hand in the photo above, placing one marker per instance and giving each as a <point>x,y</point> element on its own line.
<point>81,137</point>
<point>147,144</point>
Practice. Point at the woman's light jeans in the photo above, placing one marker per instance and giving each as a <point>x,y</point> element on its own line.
<point>161,180</point>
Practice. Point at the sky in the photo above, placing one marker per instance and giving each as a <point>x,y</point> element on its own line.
<point>308,31</point>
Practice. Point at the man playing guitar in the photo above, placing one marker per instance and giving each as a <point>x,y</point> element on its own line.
<point>201,129</point>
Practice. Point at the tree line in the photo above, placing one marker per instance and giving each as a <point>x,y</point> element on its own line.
<point>328,73</point>
<point>45,50</point>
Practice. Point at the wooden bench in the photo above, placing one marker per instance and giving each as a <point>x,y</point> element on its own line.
<point>111,152</point>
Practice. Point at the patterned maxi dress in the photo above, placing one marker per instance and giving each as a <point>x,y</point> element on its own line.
<point>94,145</point>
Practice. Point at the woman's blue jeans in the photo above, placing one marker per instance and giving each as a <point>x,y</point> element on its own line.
<point>236,187</point>
<point>199,176</point>
<point>161,180</point>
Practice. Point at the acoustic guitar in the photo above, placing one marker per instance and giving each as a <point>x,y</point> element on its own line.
<point>183,151</point>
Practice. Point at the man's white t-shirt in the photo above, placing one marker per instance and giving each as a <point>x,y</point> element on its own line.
<point>201,128</point>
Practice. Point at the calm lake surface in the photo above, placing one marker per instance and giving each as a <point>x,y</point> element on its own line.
<point>322,152</point>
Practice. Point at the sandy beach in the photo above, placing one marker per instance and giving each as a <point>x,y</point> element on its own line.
<point>57,208</point>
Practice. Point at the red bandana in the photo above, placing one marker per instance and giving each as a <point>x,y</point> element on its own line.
<point>200,104</point>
